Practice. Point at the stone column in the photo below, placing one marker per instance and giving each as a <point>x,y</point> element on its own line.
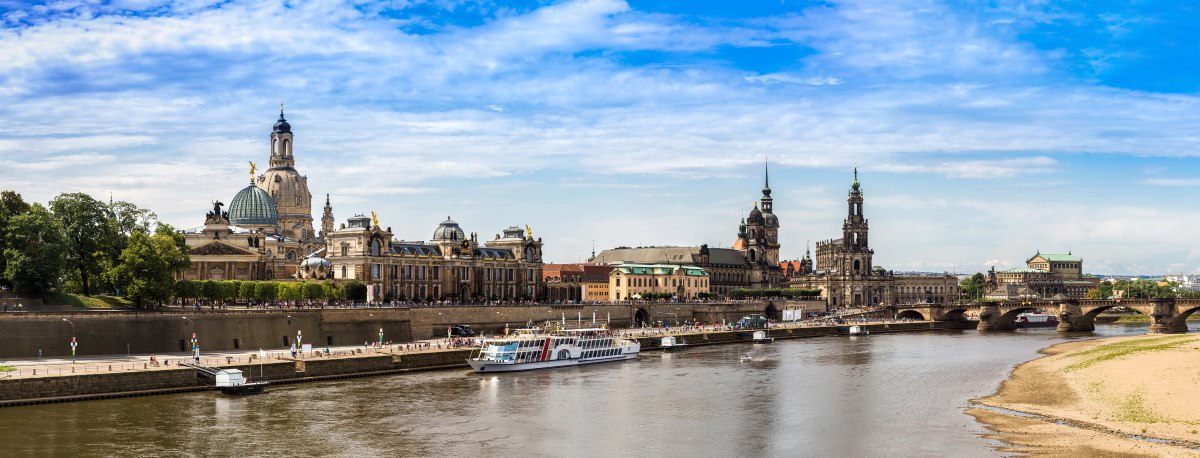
<point>1070,319</point>
<point>1161,315</point>
<point>988,313</point>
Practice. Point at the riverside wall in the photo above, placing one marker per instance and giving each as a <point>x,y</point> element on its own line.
<point>23,391</point>
<point>32,335</point>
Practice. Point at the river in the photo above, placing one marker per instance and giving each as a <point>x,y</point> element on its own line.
<point>879,395</point>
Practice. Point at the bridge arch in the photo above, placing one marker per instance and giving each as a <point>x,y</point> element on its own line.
<point>911,315</point>
<point>641,318</point>
<point>954,314</point>
<point>771,312</point>
<point>1088,319</point>
<point>1008,319</point>
<point>1179,322</point>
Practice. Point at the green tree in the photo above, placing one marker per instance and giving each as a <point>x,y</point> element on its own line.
<point>149,265</point>
<point>314,291</point>
<point>34,251</point>
<point>11,204</point>
<point>1104,291</point>
<point>85,222</point>
<point>972,288</point>
<point>266,291</point>
<point>247,290</point>
<point>357,291</point>
<point>186,289</point>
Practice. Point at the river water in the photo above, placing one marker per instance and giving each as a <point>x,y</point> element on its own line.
<point>879,395</point>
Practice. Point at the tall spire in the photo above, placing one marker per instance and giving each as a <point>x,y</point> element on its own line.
<point>766,178</point>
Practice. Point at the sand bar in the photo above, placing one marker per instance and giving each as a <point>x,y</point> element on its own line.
<point>1124,396</point>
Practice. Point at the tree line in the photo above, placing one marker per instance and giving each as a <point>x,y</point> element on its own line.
<point>82,245</point>
<point>268,291</point>
<point>776,292</point>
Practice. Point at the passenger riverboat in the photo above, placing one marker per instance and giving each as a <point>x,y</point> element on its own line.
<point>570,347</point>
<point>1036,320</point>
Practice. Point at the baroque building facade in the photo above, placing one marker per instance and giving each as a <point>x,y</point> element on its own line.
<point>257,238</point>
<point>452,265</point>
<point>1045,275</point>
<point>752,261</point>
<point>845,273</point>
<point>267,233</point>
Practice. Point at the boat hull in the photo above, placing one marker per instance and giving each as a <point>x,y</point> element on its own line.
<point>245,388</point>
<point>483,366</point>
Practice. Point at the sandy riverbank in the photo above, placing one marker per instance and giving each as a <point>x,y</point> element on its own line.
<point>1090,396</point>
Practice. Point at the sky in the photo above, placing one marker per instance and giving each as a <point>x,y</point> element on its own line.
<point>983,131</point>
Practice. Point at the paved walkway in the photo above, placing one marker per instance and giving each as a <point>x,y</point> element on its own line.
<point>56,367</point>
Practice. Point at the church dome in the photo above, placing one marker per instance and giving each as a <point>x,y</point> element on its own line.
<point>449,230</point>
<point>313,262</point>
<point>253,207</point>
<point>755,217</point>
<point>282,126</point>
<point>771,220</point>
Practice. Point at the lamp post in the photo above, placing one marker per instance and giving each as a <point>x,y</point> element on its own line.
<point>195,343</point>
<point>676,317</point>
<point>74,344</point>
<point>299,337</point>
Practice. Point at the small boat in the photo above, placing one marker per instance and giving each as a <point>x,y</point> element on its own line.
<point>1036,320</point>
<point>672,343</point>
<point>859,331</point>
<point>230,381</point>
<point>747,358</point>
<point>762,337</point>
<point>569,347</point>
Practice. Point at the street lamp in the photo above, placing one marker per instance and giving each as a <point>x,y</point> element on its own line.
<point>299,338</point>
<point>676,317</point>
<point>74,344</point>
<point>195,343</point>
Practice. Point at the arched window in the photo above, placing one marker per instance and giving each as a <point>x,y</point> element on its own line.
<point>343,271</point>
<point>751,255</point>
<point>376,247</point>
<point>856,265</point>
<point>291,255</point>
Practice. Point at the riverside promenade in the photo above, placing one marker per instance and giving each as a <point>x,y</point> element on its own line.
<point>31,381</point>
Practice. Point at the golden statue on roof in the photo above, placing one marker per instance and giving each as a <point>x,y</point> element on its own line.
<point>252,169</point>
<point>528,231</point>
<point>374,219</point>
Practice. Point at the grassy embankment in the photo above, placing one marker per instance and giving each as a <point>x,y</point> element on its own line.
<point>93,302</point>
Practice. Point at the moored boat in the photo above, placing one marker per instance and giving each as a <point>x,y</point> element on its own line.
<point>573,347</point>
<point>762,337</point>
<point>858,331</point>
<point>1036,320</point>
<point>672,343</point>
<point>230,381</point>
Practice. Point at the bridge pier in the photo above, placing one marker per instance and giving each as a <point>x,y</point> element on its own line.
<point>988,316</point>
<point>1072,319</point>
<point>1162,314</point>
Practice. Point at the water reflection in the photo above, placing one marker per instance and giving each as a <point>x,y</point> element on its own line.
<point>882,394</point>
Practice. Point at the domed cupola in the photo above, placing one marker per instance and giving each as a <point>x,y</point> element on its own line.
<point>756,216</point>
<point>449,230</point>
<point>282,126</point>
<point>253,207</point>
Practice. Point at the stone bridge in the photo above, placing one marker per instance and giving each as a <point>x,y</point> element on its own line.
<point>1166,315</point>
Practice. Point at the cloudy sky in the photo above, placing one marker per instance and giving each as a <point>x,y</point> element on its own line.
<point>982,131</point>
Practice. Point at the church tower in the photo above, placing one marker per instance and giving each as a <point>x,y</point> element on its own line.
<point>854,233</point>
<point>770,229</point>
<point>288,188</point>
<point>327,220</point>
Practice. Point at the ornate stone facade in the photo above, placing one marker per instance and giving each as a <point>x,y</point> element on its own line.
<point>1044,276</point>
<point>452,265</point>
<point>845,272</point>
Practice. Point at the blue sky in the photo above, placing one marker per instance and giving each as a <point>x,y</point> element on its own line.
<point>983,131</point>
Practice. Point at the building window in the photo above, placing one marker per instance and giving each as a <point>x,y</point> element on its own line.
<point>344,272</point>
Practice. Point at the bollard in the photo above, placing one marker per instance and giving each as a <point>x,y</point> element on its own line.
<point>72,369</point>
<point>110,367</point>
<point>145,365</point>
<point>35,372</point>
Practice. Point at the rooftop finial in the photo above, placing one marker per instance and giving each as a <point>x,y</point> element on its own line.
<point>766,173</point>
<point>252,169</point>
<point>280,108</point>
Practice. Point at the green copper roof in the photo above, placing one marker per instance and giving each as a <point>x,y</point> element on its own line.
<point>1060,257</point>
<point>252,207</point>
<point>659,269</point>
